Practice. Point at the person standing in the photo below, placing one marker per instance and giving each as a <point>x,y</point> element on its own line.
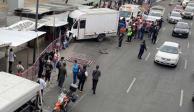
<point>121,36</point>
<point>56,58</point>
<point>83,77</point>
<point>62,75</point>
<point>155,35</point>
<point>59,64</point>
<point>42,83</point>
<point>141,50</point>
<point>151,30</point>
<point>11,58</point>
<point>41,66</point>
<point>48,70</point>
<point>95,77</point>
<point>75,71</point>
<point>19,68</point>
<point>129,34</point>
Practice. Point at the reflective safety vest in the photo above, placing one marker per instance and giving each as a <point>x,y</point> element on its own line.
<point>129,33</point>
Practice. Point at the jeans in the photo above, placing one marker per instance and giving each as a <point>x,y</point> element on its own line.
<point>75,77</point>
<point>94,86</point>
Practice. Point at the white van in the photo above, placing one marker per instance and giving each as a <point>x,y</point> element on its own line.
<point>93,23</point>
<point>18,94</point>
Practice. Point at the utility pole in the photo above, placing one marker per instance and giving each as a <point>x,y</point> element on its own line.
<point>36,30</point>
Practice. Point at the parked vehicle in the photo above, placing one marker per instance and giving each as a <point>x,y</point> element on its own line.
<point>91,23</point>
<point>184,3</point>
<point>178,8</point>
<point>159,9</point>
<point>181,29</point>
<point>168,54</point>
<point>190,4</point>
<point>18,94</point>
<point>155,15</point>
<point>174,17</point>
<point>188,13</point>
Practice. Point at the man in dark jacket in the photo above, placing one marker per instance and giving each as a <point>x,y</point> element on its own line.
<point>95,76</point>
<point>155,35</point>
<point>141,50</point>
<point>83,77</point>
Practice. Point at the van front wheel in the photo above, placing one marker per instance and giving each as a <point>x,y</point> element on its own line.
<point>100,37</point>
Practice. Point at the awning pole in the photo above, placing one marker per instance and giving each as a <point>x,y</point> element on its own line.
<point>36,25</point>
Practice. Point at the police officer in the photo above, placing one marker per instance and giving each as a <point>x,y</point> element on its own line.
<point>142,48</point>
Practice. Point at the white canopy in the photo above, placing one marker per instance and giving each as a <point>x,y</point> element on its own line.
<point>55,20</point>
<point>15,91</point>
<point>23,25</point>
<point>17,38</point>
<point>3,44</point>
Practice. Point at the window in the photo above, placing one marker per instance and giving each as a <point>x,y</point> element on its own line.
<point>82,23</point>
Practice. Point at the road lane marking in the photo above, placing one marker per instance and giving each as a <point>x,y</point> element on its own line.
<point>188,44</point>
<point>185,67</point>
<point>157,41</point>
<point>132,83</point>
<point>147,57</point>
<point>181,98</point>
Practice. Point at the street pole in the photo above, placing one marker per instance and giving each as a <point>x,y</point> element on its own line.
<point>36,30</point>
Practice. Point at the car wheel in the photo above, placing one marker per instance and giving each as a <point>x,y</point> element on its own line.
<point>100,37</point>
<point>172,34</point>
<point>191,18</point>
<point>187,35</point>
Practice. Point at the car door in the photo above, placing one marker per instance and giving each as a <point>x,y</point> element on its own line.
<point>82,26</point>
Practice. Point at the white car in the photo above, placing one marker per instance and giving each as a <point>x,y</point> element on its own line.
<point>185,2</point>
<point>174,17</point>
<point>168,54</point>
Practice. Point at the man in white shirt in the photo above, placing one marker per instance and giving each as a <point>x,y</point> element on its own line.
<point>42,83</point>
<point>11,58</point>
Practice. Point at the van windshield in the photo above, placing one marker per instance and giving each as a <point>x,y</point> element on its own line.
<point>70,21</point>
<point>124,14</point>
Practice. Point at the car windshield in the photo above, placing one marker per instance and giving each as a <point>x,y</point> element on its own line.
<point>189,9</point>
<point>175,14</point>
<point>169,49</point>
<point>182,25</point>
<point>125,14</point>
<point>190,4</point>
<point>155,14</point>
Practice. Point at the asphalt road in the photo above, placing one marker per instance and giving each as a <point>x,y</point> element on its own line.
<point>131,85</point>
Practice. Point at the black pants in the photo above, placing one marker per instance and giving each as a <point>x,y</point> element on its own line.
<point>129,38</point>
<point>120,42</point>
<point>47,76</point>
<point>10,66</point>
<point>154,39</point>
<point>140,54</point>
<point>94,86</point>
<point>81,84</point>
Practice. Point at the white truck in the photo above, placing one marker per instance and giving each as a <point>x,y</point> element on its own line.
<point>18,94</point>
<point>93,23</point>
<point>128,11</point>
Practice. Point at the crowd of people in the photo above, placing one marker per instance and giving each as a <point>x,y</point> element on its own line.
<point>52,62</point>
<point>136,29</point>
